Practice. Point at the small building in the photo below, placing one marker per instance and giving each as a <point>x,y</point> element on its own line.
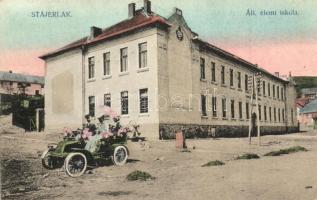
<point>308,115</point>
<point>16,83</point>
<point>158,72</point>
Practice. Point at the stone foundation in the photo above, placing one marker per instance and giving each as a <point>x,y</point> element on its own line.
<point>168,131</point>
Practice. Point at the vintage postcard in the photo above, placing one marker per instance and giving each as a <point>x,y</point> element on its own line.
<point>158,99</point>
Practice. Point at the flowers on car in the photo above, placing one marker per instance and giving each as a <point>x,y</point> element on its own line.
<point>86,133</point>
<point>106,134</point>
<point>67,131</point>
<point>109,127</point>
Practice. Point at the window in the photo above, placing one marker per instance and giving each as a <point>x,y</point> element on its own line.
<point>246,82</point>
<point>203,105</point>
<point>231,77</point>
<point>265,114</point>
<point>223,75</point>
<point>247,111</point>
<point>239,79</point>
<point>258,85</point>
<point>202,68</point>
<point>91,67</point>
<point>142,55</point>
<point>232,109</point>
<point>269,89</point>
<point>240,110</point>
<point>124,59</point>
<point>214,106</point>
<point>213,72</point>
<point>106,64</point>
<point>283,115</point>
<point>144,101</point>
<point>274,114</point>
<point>292,115</point>
<point>278,91</point>
<point>282,93</point>
<point>260,113</point>
<point>124,103</point>
<point>273,91</point>
<point>263,85</point>
<point>91,101</point>
<point>279,115</point>
<point>224,107</point>
<point>107,100</point>
<point>270,113</point>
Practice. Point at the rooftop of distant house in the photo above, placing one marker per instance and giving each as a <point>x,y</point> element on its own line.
<point>21,78</point>
<point>311,107</point>
<point>301,102</point>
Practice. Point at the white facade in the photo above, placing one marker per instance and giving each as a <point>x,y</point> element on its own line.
<point>132,80</point>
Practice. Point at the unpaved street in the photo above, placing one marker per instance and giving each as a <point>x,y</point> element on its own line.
<point>178,175</point>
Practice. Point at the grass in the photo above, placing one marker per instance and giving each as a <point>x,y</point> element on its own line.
<point>286,151</point>
<point>247,156</point>
<point>139,175</point>
<point>213,163</point>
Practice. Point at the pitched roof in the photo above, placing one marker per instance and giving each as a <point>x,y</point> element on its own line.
<point>234,58</point>
<point>140,20</point>
<point>311,107</point>
<point>21,78</point>
<point>301,102</point>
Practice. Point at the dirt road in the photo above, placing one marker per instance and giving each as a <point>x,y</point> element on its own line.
<point>178,175</point>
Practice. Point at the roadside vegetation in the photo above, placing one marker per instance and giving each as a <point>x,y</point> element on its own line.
<point>247,156</point>
<point>139,175</point>
<point>286,151</point>
<point>213,163</point>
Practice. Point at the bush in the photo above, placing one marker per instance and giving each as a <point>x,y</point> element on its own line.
<point>286,151</point>
<point>248,156</point>
<point>213,163</point>
<point>139,175</point>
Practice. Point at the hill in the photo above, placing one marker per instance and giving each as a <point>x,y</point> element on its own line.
<point>305,82</point>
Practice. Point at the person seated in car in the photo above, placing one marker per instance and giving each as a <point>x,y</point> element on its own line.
<point>91,126</point>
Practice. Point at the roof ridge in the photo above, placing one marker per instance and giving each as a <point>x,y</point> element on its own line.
<point>122,26</point>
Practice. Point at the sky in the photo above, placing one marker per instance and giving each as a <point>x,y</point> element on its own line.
<point>277,43</point>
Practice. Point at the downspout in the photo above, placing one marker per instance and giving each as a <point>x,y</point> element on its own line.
<point>83,52</point>
<point>285,105</point>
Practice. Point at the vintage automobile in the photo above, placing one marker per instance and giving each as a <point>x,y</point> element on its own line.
<point>73,155</point>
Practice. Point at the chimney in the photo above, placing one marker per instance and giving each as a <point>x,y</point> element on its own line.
<point>179,11</point>
<point>147,6</point>
<point>277,74</point>
<point>95,31</point>
<point>131,8</point>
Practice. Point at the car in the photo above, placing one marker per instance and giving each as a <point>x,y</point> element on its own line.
<point>74,155</point>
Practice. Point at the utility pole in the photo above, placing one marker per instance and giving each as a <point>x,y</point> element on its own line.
<point>250,89</point>
<point>258,87</point>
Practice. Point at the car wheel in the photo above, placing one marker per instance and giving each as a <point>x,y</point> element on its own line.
<point>120,155</point>
<point>48,161</point>
<point>75,164</point>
